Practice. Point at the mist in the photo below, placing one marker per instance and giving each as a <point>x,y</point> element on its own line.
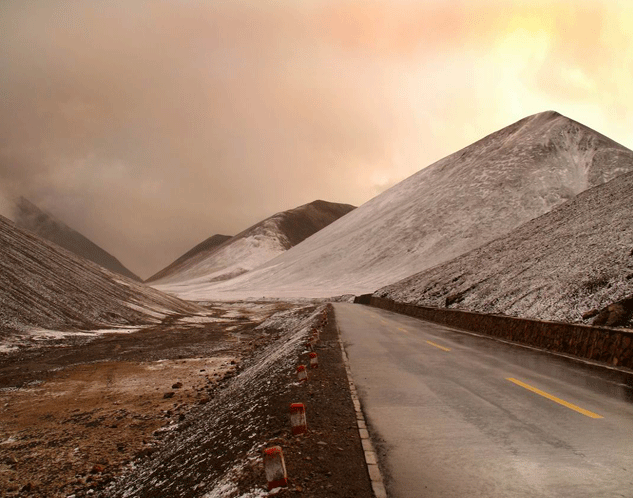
<point>150,126</point>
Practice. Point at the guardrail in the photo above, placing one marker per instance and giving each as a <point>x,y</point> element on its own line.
<point>609,345</point>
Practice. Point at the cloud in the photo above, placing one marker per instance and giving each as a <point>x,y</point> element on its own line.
<point>149,126</point>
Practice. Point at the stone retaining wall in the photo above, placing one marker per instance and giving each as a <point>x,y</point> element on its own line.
<point>613,346</point>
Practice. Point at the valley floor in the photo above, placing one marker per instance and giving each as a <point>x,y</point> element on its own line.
<point>90,416</point>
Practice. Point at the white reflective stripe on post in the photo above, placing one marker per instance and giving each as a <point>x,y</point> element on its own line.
<point>302,373</point>
<point>314,360</point>
<point>298,418</point>
<point>275,467</point>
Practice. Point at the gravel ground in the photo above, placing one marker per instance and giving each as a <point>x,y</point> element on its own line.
<point>182,409</point>
<point>328,460</point>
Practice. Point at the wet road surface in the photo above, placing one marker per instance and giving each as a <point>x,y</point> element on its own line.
<point>466,416</point>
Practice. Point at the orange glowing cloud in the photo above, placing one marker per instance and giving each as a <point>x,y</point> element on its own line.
<point>155,124</point>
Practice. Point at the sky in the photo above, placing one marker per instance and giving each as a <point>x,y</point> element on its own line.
<point>149,126</point>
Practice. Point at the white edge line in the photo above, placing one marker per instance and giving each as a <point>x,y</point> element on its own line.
<point>568,356</point>
<point>371,459</point>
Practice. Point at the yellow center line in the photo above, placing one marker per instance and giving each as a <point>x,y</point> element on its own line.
<point>554,398</point>
<point>403,330</point>
<point>438,346</point>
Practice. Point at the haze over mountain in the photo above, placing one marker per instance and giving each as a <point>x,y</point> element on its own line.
<point>251,247</point>
<point>27,215</point>
<point>46,286</point>
<point>574,259</point>
<point>454,205</point>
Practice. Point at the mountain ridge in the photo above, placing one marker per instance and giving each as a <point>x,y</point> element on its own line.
<point>254,245</point>
<point>47,286</point>
<point>444,210</point>
<point>206,245</point>
<point>565,265</point>
<point>28,216</point>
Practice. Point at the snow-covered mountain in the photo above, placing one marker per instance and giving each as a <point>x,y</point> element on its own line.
<point>206,246</point>
<point>27,215</point>
<point>560,266</point>
<point>454,205</point>
<point>46,286</point>
<point>252,247</point>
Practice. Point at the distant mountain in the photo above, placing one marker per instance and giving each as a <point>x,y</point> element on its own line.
<point>205,246</point>
<point>253,246</point>
<point>560,266</point>
<point>28,216</point>
<point>447,209</point>
<point>44,285</point>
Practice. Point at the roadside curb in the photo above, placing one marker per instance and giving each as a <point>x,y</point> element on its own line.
<point>606,345</point>
<point>616,370</point>
<point>371,459</point>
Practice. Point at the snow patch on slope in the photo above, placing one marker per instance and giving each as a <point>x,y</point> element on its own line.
<point>250,248</point>
<point>239,257</point>
<point>576,258</point>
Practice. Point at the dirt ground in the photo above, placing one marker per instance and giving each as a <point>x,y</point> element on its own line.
<point>75,418</point>
<point>74,412</point>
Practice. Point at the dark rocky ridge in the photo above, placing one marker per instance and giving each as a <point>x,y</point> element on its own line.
<point>44,285</point>
<point>300,223</point>
<point>284,230</point>
<point>28,216</point>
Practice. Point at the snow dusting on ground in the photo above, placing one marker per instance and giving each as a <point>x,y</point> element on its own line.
<point>35,336</point>
<point>231,421</point>
<point>577,258</point>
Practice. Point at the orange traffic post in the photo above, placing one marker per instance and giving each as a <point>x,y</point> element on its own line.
<point>275,467</point>
<point>302,373</point>
<point>314,360</point>
<point>298,418</point>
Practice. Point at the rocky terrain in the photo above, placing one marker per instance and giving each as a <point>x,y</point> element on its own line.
<point>573,264</point>
<point>447,209</point>
<point>47,287</point>
<point>99,402</point>
<point>251,247</point>
<point>181,409</point>
<point>112,388</point>
<point>28,216</point>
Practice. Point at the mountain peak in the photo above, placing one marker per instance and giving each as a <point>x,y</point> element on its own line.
<point>547,115</point>
<point>450,207</point>
<point>253,246</point>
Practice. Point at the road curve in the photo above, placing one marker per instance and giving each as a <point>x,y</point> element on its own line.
<point>465,416</point>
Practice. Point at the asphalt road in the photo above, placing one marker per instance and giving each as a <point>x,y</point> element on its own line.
<point>464,416</point>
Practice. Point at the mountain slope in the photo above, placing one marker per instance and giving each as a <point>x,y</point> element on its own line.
<point>28,216</point>
<point>206,246</point>
<point>255,245</point>
<point>44,285</point>
<point>454,205</point>
<point>574,259</point>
